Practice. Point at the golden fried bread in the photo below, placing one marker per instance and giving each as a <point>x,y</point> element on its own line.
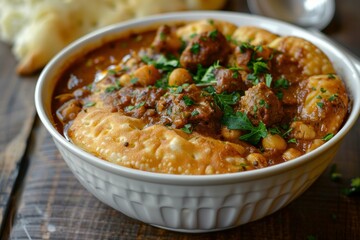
<point>253,35</point>
<point>310,57</point>
<point>127,142</point>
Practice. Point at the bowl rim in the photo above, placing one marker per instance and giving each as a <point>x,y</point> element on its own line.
<point>190,179</point>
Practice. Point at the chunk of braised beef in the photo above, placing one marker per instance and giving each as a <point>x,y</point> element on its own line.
<point>205,49</point>
<point>261,104</point>
<point>190,106</point>
<point>228,80</point>
<point>166,40</point>
<point>131,99</point>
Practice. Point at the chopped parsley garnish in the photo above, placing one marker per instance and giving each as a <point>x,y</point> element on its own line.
<point>323,90</point>
<point>162,36</point>
<point>331,76</point>
<point>89,104</point>
<point>292,140</point>
<point>332,97</point>
<point>193,35</point>
<point>268,79</point>
<point>162,63</point>
<point>195,113</point>
<point>259,66</point>
<point>111,71</point>
<point>204,75</point>
<point>354,188</point>
<point>282,82</point>
<point>188,101</point>
<point>320,104</point>
<point>195,48</point>
<point>319,97</point>
<point>240,121</point>
<point>328,136</point>
<point>187,128</point>
<point>134,80</point>
<point>279,95</point>
<point>111,89</point>
<point>225,100</point>
<point>213,34</point>
<point>139,105</point>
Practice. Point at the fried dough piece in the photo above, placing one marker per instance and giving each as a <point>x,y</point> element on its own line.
<point>325,104</point>
<point>127,142</point>
<point>206,25</point>
<point>310,57</point>
<point>253,35</point>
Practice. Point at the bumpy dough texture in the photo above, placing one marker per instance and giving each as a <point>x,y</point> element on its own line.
<point>124,140</point>
<point>41,28</point>
<point>254,35</point>
<point>311,58</point>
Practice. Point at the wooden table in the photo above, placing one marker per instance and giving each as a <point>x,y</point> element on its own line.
<point>41,199</point>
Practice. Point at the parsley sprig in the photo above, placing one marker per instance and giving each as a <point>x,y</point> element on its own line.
<point>240,121</point>
<point>163,63</point>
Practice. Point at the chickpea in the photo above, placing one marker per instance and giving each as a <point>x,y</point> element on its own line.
<point>230,134</point>
<point>291,153</point>
<point>303,131</point>
<point>257,160</point>
<point>179,76</point>
<point>274,142</point>
<point>125,80</point>
<point>147,75</point>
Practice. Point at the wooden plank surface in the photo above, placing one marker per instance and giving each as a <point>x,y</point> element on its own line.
<point>17,113</point>
<point>54,205</point>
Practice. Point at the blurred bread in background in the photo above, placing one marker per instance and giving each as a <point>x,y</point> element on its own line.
<point>38,29</point>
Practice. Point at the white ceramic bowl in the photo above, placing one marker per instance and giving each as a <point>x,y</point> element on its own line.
<point>196,203</point>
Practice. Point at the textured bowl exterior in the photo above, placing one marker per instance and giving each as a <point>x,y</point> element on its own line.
<point>195,208</point>
<point>196,203</point>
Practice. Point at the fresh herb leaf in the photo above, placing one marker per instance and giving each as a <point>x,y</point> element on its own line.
<point>328,136</point>
<point>134,80</point>
<point>331,76</point>
<point>292,140</point>
<point>332,97</point>
<point>320,104</point>
<point>89,104</point>
<point>162,63</point>
<point>188,101</point>
<point>268,79</point>
<point>240,121</point>
<point>259,67</point>
<point>187,128</point>
<point>195,113</point>
<point>323,90</point>
<point>130,108</point>
<point>279,95</point>
<point>282,82</point>
<point>213,34</point>
<point>162,36</point>
<point>354,188</point>
<point>204,75</point>
<point>225,100</point>
<point>195,48</point>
